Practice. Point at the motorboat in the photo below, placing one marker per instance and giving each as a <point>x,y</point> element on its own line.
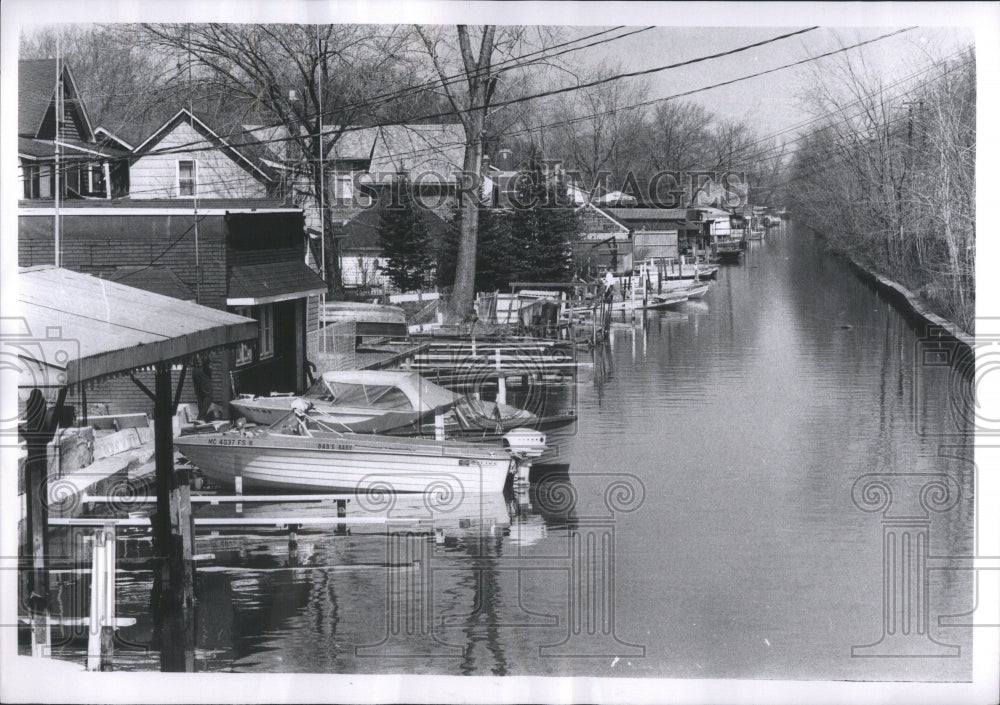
<point>694,288</point>
<point>403,403</point>
<point>388,401</point>
<point>301,453</point>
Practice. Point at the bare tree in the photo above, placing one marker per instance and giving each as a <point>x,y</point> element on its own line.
<point>470,100</point>
<point>597,133</point>
<point>313,80</point>
<point>677,136</point>
<point>890,178</point>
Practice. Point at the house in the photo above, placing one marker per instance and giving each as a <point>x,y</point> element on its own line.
<point>620,237</point>
<point>361,251</point>
<point>171,231</point>
<point>185,158</point>
<point>603,242</point>
<point>89,163</point>
<point>247,258</point>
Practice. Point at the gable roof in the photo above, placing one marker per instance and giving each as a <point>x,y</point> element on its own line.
<point>36,94</point>
<point>420,149</point>
<point>227,146</point>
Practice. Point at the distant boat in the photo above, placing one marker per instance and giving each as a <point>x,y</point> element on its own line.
<point>728,250</point>
<point>652,302</point>
<point>358,401</point>
<point>694,288</point>
<point>301,454</point>
<point>692,271</point>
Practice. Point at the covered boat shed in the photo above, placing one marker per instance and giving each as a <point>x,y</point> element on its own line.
<point>75,329</point>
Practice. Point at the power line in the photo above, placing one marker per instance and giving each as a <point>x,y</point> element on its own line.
<point>743,149</point>
<point>579,118</point>
<point>566,89</point>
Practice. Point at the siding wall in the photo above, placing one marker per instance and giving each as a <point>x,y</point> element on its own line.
<point>218,176</point>
<point>360,269</point>
<point>648,244</point>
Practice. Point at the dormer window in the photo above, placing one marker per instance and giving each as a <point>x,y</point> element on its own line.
<point>186,177</point>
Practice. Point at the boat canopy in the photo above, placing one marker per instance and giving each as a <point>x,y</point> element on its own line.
<point>381,389</point>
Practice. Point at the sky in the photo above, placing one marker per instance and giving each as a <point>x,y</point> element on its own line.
<point>778,101</point>
<point>773,104</point>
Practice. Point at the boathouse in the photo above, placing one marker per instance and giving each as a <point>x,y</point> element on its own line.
<point>76,333</point>
<point>241,256</point>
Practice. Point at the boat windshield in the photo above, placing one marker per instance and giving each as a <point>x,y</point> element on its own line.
<point>413,393</point>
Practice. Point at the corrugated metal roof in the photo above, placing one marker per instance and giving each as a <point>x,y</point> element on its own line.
<point>87,328</point>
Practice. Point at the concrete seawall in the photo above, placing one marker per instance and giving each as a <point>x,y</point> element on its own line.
<point>909,304</point>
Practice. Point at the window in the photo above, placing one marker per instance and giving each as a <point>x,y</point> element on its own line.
<point>31,181</point>
<point>343,188</point>
<point>265,333</point>
<point>187,177</point>
<point>266,330</point>
<point>95,179</point>
<point>244,353</point>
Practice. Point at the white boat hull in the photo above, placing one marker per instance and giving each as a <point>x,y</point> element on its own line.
<point>347,463</point>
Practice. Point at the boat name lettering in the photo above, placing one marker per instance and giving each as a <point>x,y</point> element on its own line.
<point>229,442</point>
<point>334,446</point>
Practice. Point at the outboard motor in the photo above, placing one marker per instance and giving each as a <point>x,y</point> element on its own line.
<point>525,445</point>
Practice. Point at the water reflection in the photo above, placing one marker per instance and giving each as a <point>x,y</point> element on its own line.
<point>741,423</point>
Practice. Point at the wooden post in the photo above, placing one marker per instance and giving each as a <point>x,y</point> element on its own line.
<point>171,525</point>
<point>293,544</point>
<point>39,429</point>
<point>341,513</point>
<point>439,427</point>
<point>501,382</point>
<point>238,488</point>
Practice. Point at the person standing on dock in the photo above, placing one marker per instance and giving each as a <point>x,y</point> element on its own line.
<point>609,285</point>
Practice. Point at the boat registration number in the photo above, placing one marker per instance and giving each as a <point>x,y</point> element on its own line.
<point>229,442</point>
<point>334,446</point>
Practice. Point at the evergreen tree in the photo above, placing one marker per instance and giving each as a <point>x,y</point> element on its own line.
<point>527,240</point>
<point>406,247</point>
<point>543,223</point>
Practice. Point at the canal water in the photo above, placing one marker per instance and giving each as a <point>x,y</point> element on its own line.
<point>766,483</point>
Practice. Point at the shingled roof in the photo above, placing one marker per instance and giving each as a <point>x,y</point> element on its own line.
<point>36,93</point>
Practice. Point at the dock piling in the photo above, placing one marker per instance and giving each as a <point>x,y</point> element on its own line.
<point>100,645</point>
